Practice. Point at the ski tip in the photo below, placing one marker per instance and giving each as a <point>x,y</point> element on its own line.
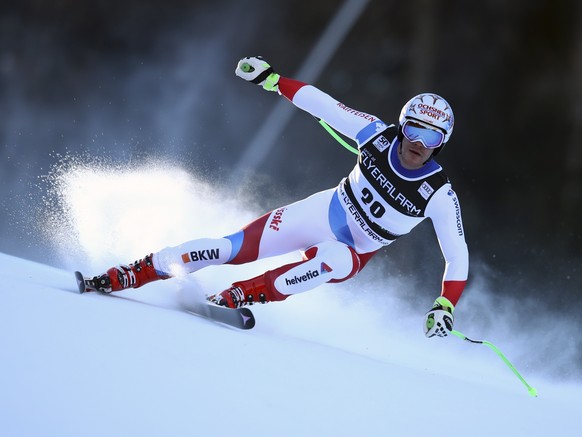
<point>247,317</point>
<point>80,282</point>
<point>240,318</point>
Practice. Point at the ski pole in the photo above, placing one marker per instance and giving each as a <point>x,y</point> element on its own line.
<point>334,134</point>
<point>532,391</point>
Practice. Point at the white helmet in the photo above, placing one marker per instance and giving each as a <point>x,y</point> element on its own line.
<point>431,110</point>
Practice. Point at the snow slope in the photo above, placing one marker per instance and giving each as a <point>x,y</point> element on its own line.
<point>330,362</point>
<point>137,364</point>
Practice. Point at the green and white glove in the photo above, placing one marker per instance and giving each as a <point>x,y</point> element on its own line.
<point>439,320</point>
<point>256,70</point>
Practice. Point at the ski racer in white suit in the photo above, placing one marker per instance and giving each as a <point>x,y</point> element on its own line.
<point>393,187</point>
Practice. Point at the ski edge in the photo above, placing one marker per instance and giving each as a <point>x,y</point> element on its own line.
<point>241,318</point>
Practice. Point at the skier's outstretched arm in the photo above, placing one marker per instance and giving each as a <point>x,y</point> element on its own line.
<point>349,122</point>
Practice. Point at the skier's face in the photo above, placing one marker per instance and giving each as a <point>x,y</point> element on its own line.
<point>413,155</point>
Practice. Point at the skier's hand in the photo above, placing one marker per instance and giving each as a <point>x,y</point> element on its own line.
<point>439,320</point>
<point>256,70</point>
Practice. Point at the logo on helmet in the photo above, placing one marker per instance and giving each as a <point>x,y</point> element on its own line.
<point>430,109</point>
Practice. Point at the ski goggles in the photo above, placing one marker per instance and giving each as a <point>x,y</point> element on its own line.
<point>430,138</point>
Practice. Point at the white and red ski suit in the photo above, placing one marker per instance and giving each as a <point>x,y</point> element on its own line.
<point>339,229</point>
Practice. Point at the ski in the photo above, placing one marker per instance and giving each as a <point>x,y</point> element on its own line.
<point>241,318</point>
<point>84,284</point>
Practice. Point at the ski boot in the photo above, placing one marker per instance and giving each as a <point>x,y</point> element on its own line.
<point>125,276</point>
<point>247,292</point>
<point>233,297</point>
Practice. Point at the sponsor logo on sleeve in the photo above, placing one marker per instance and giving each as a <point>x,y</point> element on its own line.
<point>460,231</point>
<point>357,113</point>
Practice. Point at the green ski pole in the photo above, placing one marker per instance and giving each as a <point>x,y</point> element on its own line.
<point>532,391</point>
<point>334,134</point>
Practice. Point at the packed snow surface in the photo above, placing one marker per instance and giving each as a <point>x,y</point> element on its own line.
<point>337,361</point>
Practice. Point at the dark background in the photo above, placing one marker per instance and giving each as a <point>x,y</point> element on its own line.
<point>129,79</point>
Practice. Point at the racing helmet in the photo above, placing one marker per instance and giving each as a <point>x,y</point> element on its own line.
<point>431,111</point>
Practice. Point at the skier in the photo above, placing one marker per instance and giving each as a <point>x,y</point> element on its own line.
<point>393,187</point>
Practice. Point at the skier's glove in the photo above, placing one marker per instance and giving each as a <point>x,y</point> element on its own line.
<point>256,70</point>
<point>439,320</point>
